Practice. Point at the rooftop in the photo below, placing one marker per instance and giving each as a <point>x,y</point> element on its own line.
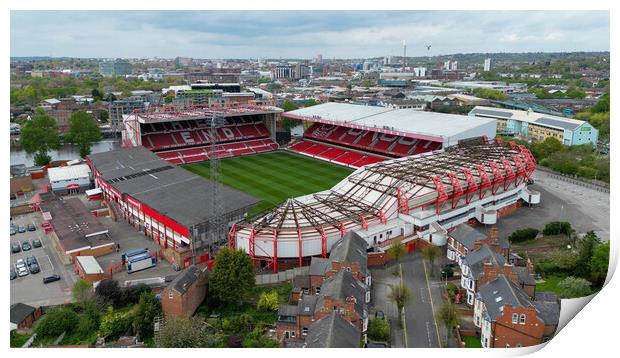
<point>173,191</point>
<point>413,122</point>
<point>527,116</point>
<point>499,292</point>
<point>68,172</point>
<point>333,331</point>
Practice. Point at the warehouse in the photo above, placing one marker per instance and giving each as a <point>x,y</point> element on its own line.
<point>167,203</point>
<point>69,179</point>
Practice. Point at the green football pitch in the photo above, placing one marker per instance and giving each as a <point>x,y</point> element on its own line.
<point>275,176</point>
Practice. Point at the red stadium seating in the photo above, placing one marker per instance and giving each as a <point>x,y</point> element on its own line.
<point>368,141</point>
<point>198,154</point>
<point>333,154</point>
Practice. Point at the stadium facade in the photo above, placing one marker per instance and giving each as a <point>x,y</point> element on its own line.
<point>418,197</point>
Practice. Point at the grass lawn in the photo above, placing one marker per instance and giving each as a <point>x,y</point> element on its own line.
<point>274,177</point>
<point>550,284</point>
<point>471,341</point>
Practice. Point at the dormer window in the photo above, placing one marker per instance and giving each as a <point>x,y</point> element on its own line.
<point>515,318</point>
<point>522,319</point>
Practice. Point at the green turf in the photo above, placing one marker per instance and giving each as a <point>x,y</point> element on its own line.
<point>550,284</point>
<point>275,176</point>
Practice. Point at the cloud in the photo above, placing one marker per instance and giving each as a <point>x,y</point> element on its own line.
<point>302,34</point>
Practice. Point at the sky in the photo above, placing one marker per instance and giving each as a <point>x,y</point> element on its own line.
<point>302,34</point>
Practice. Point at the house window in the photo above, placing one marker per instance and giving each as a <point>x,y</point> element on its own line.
<point>304,331</point>
<point>515,318</point>
<point>522,319</point>
<point>292,334</point>
<point>170,295</point>
<point>317,290</point>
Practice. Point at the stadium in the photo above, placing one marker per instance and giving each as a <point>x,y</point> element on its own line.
<point>416,175</point>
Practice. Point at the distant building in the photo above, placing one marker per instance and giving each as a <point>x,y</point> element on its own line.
<point>539,126</point>
<point>23,316</point>
<point>301,71</point>
<point>283,72</point>
<point>487,65</point>
<point>111,68</point>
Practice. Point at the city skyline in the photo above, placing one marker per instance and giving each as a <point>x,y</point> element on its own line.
<point>287,34</point>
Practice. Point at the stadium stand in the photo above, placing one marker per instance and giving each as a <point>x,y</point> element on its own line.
<point>338,155</point>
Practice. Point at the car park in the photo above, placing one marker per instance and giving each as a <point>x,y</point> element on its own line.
<point>32,227</point>
<point>21,229</point>
<point>26,246</point>
<point>13,274</point>
<point>34,269</point>
<point>36,243</point>
<point>51,278</point>
<point>15,248</point>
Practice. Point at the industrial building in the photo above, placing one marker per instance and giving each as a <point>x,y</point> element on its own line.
<point>169,204</point>
<point>413,198</point>
<point>539,126</point>
<point>69,179</point>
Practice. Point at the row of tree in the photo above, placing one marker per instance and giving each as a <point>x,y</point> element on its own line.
<point>40,135</point>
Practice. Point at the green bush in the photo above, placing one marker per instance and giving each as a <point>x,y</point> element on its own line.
<point>559,265</point>
<point>268,301</point>
<point>379,330</point>
<point>115,323</point>
<point>57,321</point>
<point>523,235</point>
<point>557,228</point>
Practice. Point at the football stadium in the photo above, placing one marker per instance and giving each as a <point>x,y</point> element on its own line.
<point>385,173</point>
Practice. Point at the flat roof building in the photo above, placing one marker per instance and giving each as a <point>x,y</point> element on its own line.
<point>539,126</point>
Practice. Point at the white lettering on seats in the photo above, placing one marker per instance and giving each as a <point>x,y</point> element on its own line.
<point>388,138</point>
<point>187,137</point>
<point>406,141</point>
<point>206,135</point>
<point>354,132</point>
<point>176,125</point>
<point>228,133</point>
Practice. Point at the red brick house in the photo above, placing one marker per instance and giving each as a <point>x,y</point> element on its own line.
<point>185,293</point>
<point>508,317</point>
<point>465,239</point>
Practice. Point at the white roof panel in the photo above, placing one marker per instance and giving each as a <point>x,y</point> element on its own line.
<point>67,173</point>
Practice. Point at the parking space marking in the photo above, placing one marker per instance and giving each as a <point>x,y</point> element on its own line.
<point>42,261</point>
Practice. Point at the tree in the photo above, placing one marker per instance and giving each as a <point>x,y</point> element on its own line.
<point>379,330</point>
<point>431,253</point>
<point>109,291</point>
<point>490,94</point>
<point>57,321</point>
<point>115,323</point>
<point>268,301</point>
<point>40,135</point>
<point>599,264</point>
<point>548,147</point>
<point>97,95</point>
<point>180,332</point>
<point>148,308</point>
<point>572,287</point>
<point>232,279</point>
<point>396,249</point>
<point>82,291</point>
<point>447,316</point>
<point>311,102</point>
<point>400,296</point>
<point>584,258</point>
<point>83,132</point>
<point>104,116</point>
<point>289,105</point>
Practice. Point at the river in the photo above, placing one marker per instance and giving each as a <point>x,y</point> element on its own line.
<point>66,152</point>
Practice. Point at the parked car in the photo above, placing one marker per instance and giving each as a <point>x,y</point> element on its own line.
<point>13,274</point>
<point>26,246</point>
<point>376,345</point>
<point>22,271</point>
<point>36,243</point>
<point>31,260</point>
<point>21,229</point>
<point>34,269</point>
<point>13,230</point>
<point>15,248</point>
<point>32,227</point>
<point>51,278</point>
<point>380,315</point>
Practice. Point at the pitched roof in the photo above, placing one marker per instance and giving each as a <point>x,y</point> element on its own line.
<point>318,266</point>
<point>307,304</point>
<point>499,292</point>
<point>548,307</point>
<point>333,331</point>
<point>524,275</point>
<point>351,248</point>
<point>342,286</point>
<point>467,236</point>
<point>476,259</point>
<point>287,310</point>
<point>185,279</point>
<point>19,312</point>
